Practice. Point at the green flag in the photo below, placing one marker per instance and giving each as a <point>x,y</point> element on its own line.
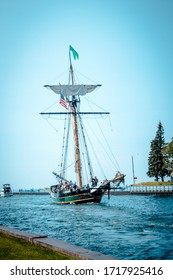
<point>75,54</point>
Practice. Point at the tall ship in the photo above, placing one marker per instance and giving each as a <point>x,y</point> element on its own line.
<point>6,190</point>
<point>85,187</point>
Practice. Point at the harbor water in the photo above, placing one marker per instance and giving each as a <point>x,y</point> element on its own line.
<point>125,227</point>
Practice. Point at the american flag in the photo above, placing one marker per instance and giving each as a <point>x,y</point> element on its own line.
<point>63,102</point>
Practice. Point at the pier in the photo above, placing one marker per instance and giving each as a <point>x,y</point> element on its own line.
<point>144,190</point>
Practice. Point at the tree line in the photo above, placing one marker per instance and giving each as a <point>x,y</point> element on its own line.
<point>160,160</point>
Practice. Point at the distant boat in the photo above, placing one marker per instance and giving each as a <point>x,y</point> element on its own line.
<point>6,190</point>
<point>86,188</point>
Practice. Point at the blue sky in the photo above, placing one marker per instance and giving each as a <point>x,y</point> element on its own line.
<point>124,45</point>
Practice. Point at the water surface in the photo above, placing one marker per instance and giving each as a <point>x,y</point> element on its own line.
<point>126,227</point>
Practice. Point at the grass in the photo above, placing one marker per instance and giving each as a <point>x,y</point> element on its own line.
<point>12,248</point>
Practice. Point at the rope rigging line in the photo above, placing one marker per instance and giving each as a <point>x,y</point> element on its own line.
<point>56,102</point>
<point>54,128</point>
<point>63,148</point>
<point>84,169</point>
<point>109,147</point>
<point>110,150</point>
<point>93,150</point>
<point>85,154</point>
<point>85,146</point>
<point>98,162</point>
<point>90,101</point>
<point>58,76</point>
<point>86,77</point>
<point>60,170</point>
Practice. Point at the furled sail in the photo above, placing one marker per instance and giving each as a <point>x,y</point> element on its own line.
<point>72,90</point>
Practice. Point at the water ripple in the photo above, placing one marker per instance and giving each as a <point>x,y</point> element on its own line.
<point>126,227</point>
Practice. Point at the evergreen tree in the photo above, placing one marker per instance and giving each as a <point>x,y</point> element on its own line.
<point>152,169</point>
<point>156,159</point>
<point>168,154</point>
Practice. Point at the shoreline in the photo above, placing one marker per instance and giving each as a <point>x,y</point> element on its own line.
<point>57,245</point>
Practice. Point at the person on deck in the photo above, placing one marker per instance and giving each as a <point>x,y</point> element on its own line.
<point>94,181</point>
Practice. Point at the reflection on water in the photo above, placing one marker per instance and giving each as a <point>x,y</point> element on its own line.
<point>126,227</point>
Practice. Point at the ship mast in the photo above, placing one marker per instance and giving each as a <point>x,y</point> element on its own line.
<point>72,93</point>
<point>75,130</point>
